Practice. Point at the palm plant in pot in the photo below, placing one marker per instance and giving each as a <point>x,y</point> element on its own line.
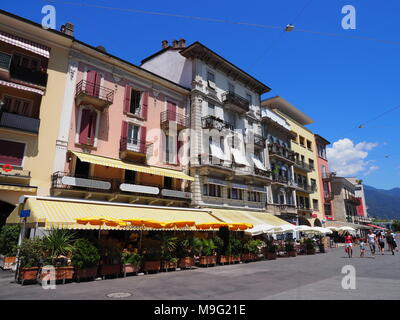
<point>8,245</point>
<point>271,250</point>
<point>30,258</point>
<point>208,250</point>
<point>168,252</point>
<point>131,262</point>
<point>290,249</point>
<point>184,253</point>
<point>58,247</point>
<point>309,244</point>
<point>222,255</point>
<point>236,247</point>
<point>152,261</point>
<point>85,259</point>
<point>110,252</point>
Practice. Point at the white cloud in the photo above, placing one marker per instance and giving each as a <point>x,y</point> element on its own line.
<point>347,159</point>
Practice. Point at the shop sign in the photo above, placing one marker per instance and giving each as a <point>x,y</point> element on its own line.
<point>86,183</point>
<point>138,188</point>
<point>176,194</point>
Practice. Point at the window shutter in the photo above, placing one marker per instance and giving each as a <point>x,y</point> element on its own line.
<point>142,142</point>
<point>127,100</point>
<point>11,152</point>
<point>171,107</point>
<point>145,103</point>
<point>124,135</point>
<point>92,131</point>
<point>85,123</point>
<point>97,84</point>
<point>90,82</point>
<point>179,145</point>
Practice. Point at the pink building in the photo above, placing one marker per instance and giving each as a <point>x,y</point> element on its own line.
<point>325,178</point>
<point>122,134</point>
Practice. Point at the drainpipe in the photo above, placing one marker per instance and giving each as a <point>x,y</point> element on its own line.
<point>21,204</point>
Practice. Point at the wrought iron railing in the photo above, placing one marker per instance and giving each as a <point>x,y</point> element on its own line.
<point>16,121</point>
<point>171,116</point>
<point>276,149</point>
<point>95,90</point>
<point>134,145</point>
<point>233,98</point>
<point>259,141</point>
<point>212,122</point>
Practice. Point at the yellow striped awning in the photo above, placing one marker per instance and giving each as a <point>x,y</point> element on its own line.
<point>63,214</point>
<point>252,217</point>
<point>102,161</point>
<point>17,188</point>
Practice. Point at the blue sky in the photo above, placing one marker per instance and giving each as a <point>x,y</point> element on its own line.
<point>339,82</point>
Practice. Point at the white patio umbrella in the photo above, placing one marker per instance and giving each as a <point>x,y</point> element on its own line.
<point>303,228</point>
<point>346,229</point>
<point>332,228</point>
<point>259,229</point>
<point>321,230</point>
<point>282,228</point>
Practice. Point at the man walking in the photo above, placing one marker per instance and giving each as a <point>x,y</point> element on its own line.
<point>390,241</point>
<point>371,241</point>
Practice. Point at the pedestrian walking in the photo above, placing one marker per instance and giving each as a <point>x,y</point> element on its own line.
<point>381,242</point>
<point>390,241</point>
<point>371,242</point>
<point>348,242</point>
<point>362,247</point>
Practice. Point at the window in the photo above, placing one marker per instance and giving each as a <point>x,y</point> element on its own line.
<point>311,162</point>
<point>315,204</point>
<point>18,106</point>
<point>87,130</point>
<point>11,152</point>
<point>231,87</point>
<point>134,107</point>
<point>130,176</point>
<point>212,190</point>
<point>25,61</point>
<point>301,140</point>
<point>168,183</point>
<point>309,145</point>
<point>235,194</point>
<point>254,196</point>
<point>133,134</point>
<point>249,98</point>
<point>211,109</point>
<point>211,80</point>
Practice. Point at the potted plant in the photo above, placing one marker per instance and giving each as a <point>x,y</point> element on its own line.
<point>85,259</point>
<point>222,256</point>
<point>309,244</point>
<point>208,251</point>
<point>110,263</point>
<point>30,257</point>
<point>185,253</point>
<point>321,246</point>
<point>236,247</point>
<point>246,252</point>
<point>8,243</point>
<point>290,249</point>
<point>152,261</point>
<point>271,250</point>
<point>131,262</point>
<point>57,245</point>
<point>168,253</point>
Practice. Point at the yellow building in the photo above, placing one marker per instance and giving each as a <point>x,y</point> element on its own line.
<point>33,68</point>
<point>305,174</point>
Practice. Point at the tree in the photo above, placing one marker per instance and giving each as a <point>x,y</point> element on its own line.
<point>396,225</point>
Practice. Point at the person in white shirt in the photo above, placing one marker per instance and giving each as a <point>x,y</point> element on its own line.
<point>371,241</point>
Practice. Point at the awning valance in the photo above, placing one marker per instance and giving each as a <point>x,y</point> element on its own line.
<point>64,214</point>
<point>21,87</point>
<point>339,224</point>
<point>17,188</point>
<point>114,163</point>
<point>25,44</point>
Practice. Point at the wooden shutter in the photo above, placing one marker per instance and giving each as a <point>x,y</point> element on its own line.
<point>127,100</point>
<point>84,129</point>
<point>90,82</point>
<point>92,124</point>
<point>11,152</point>
<point>142,142</point>
<point>171,107</point>
<point>179,145</point>
<point>97,84</point>
<point>145,103</point>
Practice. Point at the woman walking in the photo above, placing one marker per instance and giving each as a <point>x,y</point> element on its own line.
<point>381,242</point>
<point>391,242</point>
<point>371,241</point>
<point>348,242</point>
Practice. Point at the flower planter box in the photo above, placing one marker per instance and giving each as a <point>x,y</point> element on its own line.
<point>86,273</point>
<point>6,263</point>
<point>322,248</point>
<point>292,253</point>
<point>28,274</point>
<point>310,251</point>
<point>151,266</point>
<point>203,261</point>
<point>168,265</point>
<point>207,260</point>
<point>185,263</point>
<point>130,268</point>
<point>212,260</point>
<point>235,259</point>
<point>271,256</point>
<point>61,274</point>
<point>224,259</point>
<point>246,257</point>
<point>110,270</point>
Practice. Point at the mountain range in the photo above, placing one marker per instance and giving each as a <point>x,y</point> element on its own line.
<point>383,203</point>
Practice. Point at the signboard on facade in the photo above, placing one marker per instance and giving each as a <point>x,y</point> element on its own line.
<point>138,188</point>
<point>176,194</point>
<point>86,183</point>
<point>25,213</point>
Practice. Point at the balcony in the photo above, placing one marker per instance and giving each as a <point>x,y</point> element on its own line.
<point>235,102</point>
<point>281,152</point>
<point>328,196</point>
<point>353,200</point>
<point>15,176</point>
<point>304,208</point>
<point>279,209</point>
<point>262,173</point>
<point>96,95</point>
<point>259,141</point>
<point>129,146</point>
<point>279,179</point>
<point>66,183</point>
<point>28,75</point>
<point>211,122</point>
<point>328,176</point>
<point>304,166</point>
<point>304,187</point>
<point>168,117</point>
<point>5,62</point>
<point>18,122</point>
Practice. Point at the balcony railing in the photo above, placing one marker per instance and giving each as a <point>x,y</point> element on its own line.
<point>328,175</point>
<point>68,181</point>
<point>133,145</point>
<point>168,116</point>
<point>304,166</point>
<point>259,141</point>
<point>5,61</point>
<point>28,75</point>
<point>281,151</point>
<point>264,173</point>
<point>353,200</point>
<point>211,122</point>
<point>303,207</point>
<point>95,94</point>
<point>306,187</point>
<point>235,101</point>
<point>328,196</point>
<point>18,122</point>
<point>279,179</point>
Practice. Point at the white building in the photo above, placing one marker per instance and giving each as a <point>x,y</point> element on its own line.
<point>228,155</point>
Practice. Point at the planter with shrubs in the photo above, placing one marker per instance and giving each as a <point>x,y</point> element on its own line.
<point>131,263</point>
<point>110,252</point>
<point>8,246</point>
<point>152,262</point>
<point>85,259</point>
<point>30,258</point>
<point>309,246</point>
<point>168,253</point>
<point>185,253</point>
<point>271,250</point>
<point>290,249</point>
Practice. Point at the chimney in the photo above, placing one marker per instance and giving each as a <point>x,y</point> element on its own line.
<point>164,44</point>
<point>68,29</point>
<point>175,44</point>
<point>182,43</point>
